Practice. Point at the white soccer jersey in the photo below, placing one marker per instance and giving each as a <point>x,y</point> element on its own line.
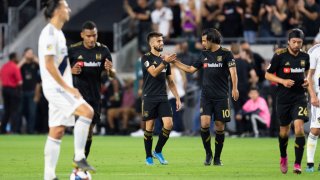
<point>53,42</point>
<point>314,53</point>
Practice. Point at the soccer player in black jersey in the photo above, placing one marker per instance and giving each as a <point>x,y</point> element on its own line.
<point>155,104</point>
<point>289,68</point>
<point>218,64</point>
<point>89,59</point>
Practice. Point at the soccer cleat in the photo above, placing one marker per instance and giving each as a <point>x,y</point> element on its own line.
<point>284,165</point>
<point>83,165</point>
<point>55,178</point>
<point>217,162</point>
<point>207,161</point>
<point>319,167</point>
<point>160,157</point>
<point>310,169</point>
<point>297,168</point>
<point>149,161</point>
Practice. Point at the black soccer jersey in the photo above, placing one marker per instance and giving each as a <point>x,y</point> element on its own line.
<point>154,88</point>
<point>288,66</point>
<point>92,61</point>
<point>216,73</point>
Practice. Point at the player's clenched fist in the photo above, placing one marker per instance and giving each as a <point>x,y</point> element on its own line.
<point>76,69</point>
<point>108,65</point>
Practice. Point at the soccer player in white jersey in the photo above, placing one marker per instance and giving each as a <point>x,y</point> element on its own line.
<point>65,101</point>
<point>314,91</point>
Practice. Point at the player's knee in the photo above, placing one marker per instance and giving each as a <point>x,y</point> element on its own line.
<point>88,113</point>
<point>56,133</point>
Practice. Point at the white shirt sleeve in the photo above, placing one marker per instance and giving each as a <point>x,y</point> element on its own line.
<point>50,45</point>
<point>313,59</point>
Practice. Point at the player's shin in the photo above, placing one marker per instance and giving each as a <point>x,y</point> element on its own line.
<point>206,140</point>
<point>311,147</point>
<point>219,140</point>
<point>163,137</point>
<point>283,144</point>
<point>299,148</point>
<point>81,130</point>
<point>51,156</point>
<point>148,143</point>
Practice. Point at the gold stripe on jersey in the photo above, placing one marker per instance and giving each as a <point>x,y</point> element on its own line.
<point>76,44</point>
<point>281,51</point>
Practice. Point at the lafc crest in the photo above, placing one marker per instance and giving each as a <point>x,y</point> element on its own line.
<point>219,58</point>
<point>145,114</point>
<point>98,57</point>
<point>303,63</point>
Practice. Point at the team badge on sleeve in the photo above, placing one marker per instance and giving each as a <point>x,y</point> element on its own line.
<point>49,47</point>
<point>146,64</point>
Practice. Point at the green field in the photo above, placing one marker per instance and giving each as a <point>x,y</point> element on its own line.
<point>21,157</point>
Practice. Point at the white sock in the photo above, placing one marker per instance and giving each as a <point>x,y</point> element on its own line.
<point>81,130</point>
<point>311,147</point>
<point>51,156</point>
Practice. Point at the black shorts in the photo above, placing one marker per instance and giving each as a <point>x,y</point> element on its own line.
<point>219,108</point>
<point>290,112</point>
<point>153,110</point>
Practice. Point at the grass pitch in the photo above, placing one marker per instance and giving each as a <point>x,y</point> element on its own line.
<point>21,157</point>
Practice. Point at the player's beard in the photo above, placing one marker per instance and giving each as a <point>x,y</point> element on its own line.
<point>159,49</point>
<point>295,50</point>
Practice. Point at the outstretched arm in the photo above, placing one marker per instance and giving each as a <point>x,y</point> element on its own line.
<point>186,68</point>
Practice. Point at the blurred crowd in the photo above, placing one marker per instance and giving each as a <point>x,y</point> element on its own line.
<point>249,19</point>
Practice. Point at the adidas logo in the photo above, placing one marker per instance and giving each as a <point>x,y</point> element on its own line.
<point>287,64</point>
<point>205,59</point>
<point>80,57</point>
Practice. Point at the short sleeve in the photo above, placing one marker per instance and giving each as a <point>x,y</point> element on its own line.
<point>274,64</point>
<point>230,60</point>
<point>50,45</point>
<point>307,63</point>
<point>168,72</point>
<point>145,62</point>
<point>198,63</point>
<point>313,60</point>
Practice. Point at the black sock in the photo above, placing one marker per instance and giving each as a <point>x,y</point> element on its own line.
<point>299,148</point>
<point>87,148</point>
<point>163,137</point>
<point>283,144</point>
<point>148,142</point>
<point>206,140</point>
<point>218,144</point>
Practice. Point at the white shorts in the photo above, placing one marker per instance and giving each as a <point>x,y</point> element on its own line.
<point>315,117</point>
<point>61,107</point>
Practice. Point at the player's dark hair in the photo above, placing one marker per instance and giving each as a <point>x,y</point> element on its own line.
<point>213,35</point>
<point>50,6</point>
<point>295,33</point>
<point>12,56</point>
<point>152,35</point>
<point>88,25</point>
